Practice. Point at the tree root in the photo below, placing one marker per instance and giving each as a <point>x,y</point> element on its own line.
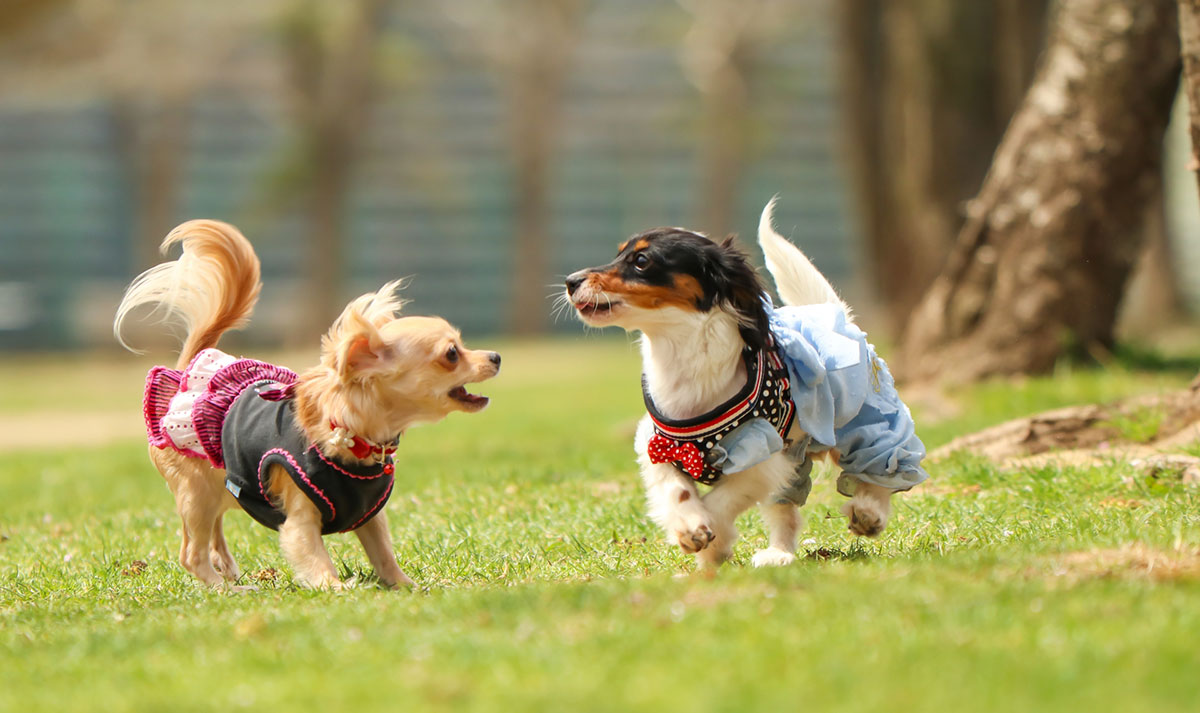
<point>1093,432</point>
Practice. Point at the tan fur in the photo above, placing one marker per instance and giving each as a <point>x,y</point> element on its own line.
<point>363,366</point>
<point>684,293</point>
<point>378,375</point>
<point>212,287</point>
<point>869,509</point>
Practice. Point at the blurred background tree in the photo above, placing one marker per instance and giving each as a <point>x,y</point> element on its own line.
<point>927,88</point>
<point>1189,33</point>
<point>150,72</point>
<point>1041,265</point>
<point>531,44</point>
<point>59,55</point>
<point>486,148</point>
<point>719,56</point>
<point>483,148</point>
<point>331,51</point>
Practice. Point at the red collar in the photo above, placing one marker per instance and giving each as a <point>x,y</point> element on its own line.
<point>361,448</point>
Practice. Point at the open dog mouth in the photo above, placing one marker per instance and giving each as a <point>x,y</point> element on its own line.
<point>472,401</point>
<point>597,309</point>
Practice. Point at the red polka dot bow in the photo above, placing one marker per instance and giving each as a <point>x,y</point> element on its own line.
<point>665,450</point>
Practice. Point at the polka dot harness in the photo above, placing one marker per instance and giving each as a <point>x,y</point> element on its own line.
<point>687,444</point>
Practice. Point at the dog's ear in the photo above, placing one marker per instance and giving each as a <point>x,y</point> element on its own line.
<point>355,345</point>
<point>359,355</point>
<point>739,286</point>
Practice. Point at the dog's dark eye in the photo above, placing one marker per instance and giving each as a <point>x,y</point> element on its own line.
<point>640,261</point>
<point>452,355</point>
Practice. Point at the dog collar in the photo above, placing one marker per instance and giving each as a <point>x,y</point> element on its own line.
<point>362,448</point>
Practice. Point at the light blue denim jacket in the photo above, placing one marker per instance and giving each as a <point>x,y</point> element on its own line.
<point>845,398</point>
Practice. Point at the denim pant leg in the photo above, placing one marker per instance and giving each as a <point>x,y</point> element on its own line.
<point>797,490</point>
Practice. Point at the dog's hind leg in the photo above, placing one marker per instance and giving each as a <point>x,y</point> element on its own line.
<point>869,509</point>
<point>199,510</point>
<point>198,495</point>
<point>783,525</point>
<point>781,514</point>
<point>221,556</point>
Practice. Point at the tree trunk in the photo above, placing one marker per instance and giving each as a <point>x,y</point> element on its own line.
<point>333,80</point>
<point>16,15</point>
<point>1042,261</point>
<point>927,89</point>
<point>717,56</point>
<point>1189,32</point>
<point>1153,299</point>
<point>724,141</point>
<point>154,144</point>
<point>164,153</point>
<point>538,56</point>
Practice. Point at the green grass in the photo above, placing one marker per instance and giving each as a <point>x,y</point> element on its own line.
<point>542,586</point>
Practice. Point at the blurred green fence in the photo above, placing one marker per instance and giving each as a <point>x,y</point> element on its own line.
<point>434,195</point>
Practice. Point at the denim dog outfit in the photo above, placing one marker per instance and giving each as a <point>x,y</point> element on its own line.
<point>240,415</point>
<point>841,395</point>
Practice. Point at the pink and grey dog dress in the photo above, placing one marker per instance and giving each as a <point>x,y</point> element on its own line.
<point>240,415</point>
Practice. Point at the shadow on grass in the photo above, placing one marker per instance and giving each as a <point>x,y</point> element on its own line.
<point>850,554</point>
<point>1139,358</point>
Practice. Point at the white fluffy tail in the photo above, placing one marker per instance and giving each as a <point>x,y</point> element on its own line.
<point>796,279</point>
<point>211,288</point>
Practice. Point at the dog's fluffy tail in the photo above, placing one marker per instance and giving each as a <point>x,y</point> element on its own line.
<point>797,280</point>
<point>211,288</point>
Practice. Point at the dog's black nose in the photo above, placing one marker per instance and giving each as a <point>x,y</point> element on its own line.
<point>494,358</point>
<point>574,280</point>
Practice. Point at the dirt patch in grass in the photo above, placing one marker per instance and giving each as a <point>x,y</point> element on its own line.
<point>1133,561</point>
<point>68,429</point>
<point>1165,421</point>
<point>1125,503</point>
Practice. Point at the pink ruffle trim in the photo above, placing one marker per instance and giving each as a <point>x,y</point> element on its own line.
<point>208,412</point>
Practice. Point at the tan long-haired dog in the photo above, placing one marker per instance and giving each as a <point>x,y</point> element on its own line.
<point>307,455</point>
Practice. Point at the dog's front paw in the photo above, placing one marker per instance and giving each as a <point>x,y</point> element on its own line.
<point>398,580</point>
<point>695,540</point>
<point>866,517</point>
<point>325,583</point>
<point>692,532</point>
<point>772,557</point>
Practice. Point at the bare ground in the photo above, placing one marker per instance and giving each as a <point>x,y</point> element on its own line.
<point>67,429</point>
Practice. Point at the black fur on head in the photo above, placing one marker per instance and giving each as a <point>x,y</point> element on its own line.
<point>673,266</point>
<point>740,287</point>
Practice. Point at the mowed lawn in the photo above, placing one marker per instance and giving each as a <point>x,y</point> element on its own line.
<point>542,586</point>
